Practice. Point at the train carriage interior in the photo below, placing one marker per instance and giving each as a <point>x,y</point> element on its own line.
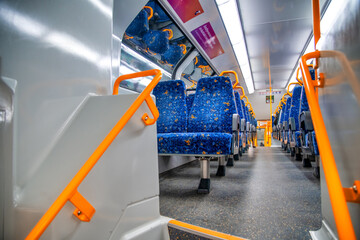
<point>180,119</point>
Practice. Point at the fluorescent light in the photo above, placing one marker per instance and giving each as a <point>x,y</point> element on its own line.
<point>230,16</point>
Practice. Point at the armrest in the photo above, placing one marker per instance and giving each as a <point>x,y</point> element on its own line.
<point>247,126</point>
<point>306,121</point>
<point>292,126</point>
<point>242,125</point>
<point>235,122</point>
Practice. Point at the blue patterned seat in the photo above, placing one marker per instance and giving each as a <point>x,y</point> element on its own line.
<point>140,25</point>
<point>314,142</point>
<point>171,103</point>
<point>173,54</point>
<point>189,101</point>
<point>240,112</point>
<point>157,41</point>
<point>159,14</point>
<point>298,138</point>
<point>209,121</point>
<point>295,103</point>
<point>195,143</point>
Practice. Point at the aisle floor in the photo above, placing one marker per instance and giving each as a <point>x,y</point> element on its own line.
<point>266,195</point>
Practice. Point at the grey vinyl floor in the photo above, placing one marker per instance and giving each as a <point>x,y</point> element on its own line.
<point>266,195</point>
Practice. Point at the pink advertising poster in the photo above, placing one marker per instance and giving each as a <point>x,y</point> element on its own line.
<point>186,9</point>
<point>207,39</point>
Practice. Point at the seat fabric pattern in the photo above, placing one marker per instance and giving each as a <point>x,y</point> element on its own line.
<point>238,105</point>
<point>282,115</point>
<point>189,101</point>
<point>298,138</point>
<point>140,25</point>
<point>243,109</point>
<point>304,106</point>
<point>157,41</point>
<point>171,103</point>
<point>195,143</point>
<point>213,106</point>
<point>316,149</point>
<point>287,109</point>
<point>295,103</point>
<point>173,54</point>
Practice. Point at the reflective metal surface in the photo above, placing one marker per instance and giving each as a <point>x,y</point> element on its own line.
<point>340,105</point>
<point>279,28</point>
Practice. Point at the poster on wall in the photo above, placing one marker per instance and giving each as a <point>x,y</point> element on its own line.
<point>208,40</point>
<point>186,9</point>
<point>268,99</point>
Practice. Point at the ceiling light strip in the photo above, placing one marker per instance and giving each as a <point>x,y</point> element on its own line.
<point>230,15</point>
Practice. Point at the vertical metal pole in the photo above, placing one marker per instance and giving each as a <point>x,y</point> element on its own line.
<point>205,168</point>
<point>270,128</point>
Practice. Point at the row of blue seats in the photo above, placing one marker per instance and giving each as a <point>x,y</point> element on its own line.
<point>293,127</point>
<point>207,124</point>
<point>157,40</point>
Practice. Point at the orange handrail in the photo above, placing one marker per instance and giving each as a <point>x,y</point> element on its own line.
<point>288,91</point>
<point>236,77</point>
<point>336,193</point>
<point>297,76</point>
<point>84,211</point>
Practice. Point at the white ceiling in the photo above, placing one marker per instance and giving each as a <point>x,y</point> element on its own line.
<point>275,30</point>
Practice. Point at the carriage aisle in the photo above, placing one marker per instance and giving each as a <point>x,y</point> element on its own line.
<point>265,195</point>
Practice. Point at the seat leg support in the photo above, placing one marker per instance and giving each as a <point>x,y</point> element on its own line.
<point>230,161</point>
<point>221,168</point>
<point>204,186</point>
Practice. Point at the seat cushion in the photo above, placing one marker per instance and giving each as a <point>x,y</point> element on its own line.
<point>195,143</point>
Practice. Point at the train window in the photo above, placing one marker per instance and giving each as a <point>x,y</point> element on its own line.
<point>152,40</point>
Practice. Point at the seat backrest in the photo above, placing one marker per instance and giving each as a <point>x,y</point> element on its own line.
<point>213,106</point>
<point>171,103</point>
<point>189,101</point>
<point>140,25</point>
<point>282,115</point>
<point>244,110</point>
<point>304,106</point>
<point>295,103</point>
<point>287,109</point>
<point>239,105</point>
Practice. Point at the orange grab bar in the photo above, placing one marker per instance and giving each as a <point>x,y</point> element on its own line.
<point>183,47</point>
<point>151,12</point>
<point>316,25</point>
<point>288,92</point>
<point>336,192</point>
<point>84,211</point>
<point>171,34</point>
<point>236,77</point>
<point>243,91</point>
<point>297,76</point>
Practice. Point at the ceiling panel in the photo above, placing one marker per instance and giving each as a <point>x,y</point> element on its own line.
<point>276,32</point>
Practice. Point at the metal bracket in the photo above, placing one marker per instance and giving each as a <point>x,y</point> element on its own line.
<point>353,194</point>
<point>84,210</point>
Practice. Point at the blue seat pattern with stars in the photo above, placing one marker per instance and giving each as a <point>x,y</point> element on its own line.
<point>171,103</point>
<point>209,122</point>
